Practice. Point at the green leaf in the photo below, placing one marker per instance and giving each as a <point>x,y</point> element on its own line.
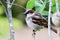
<point>40,6</point>
<point>54,5</point>
<point>45,12</point>
<point>59,1</point>
<point>54,2</point>
<point>53,9</point>
<point>30,4</point>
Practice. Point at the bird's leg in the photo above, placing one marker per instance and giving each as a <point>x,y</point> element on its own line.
<point>33,35</point>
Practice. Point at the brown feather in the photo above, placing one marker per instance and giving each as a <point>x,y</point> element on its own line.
<point>41,22</point>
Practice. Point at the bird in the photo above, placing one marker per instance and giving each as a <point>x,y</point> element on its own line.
<point>35,20</point>
<point>56,21</point>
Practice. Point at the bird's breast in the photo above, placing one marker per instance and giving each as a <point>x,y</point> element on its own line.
<point>31,24</point>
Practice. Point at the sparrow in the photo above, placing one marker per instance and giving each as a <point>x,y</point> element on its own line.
<point>56,21</point>
<point>35,20</point>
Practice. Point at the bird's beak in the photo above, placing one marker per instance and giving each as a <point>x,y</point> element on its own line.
<point>25,12</point>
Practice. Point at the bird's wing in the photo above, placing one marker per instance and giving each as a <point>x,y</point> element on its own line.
<point>37,16</point>
<point>40,21</point>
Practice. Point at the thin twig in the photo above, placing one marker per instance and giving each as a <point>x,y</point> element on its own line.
<point>12,3</point>
<point>17,5</point>
<point>57,6</point>
<point>4,9</point>
<point>49,32</point>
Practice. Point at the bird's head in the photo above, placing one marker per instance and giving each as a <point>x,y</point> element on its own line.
<point>29,12</point>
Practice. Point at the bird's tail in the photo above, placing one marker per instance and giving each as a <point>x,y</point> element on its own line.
<point>53,29</point>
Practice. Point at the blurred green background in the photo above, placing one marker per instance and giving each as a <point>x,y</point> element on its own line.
<point>18,13</point>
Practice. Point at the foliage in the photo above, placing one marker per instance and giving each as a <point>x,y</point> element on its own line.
<point>30,4</point>
<point>42,7</point>
<point>16,14</point>
<point>53,2</point>
<point>1,10</point>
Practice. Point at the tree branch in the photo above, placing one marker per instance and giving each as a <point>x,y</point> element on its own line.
<point>12,3</point>
<point>49,32</point>
<point>10,20</point>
